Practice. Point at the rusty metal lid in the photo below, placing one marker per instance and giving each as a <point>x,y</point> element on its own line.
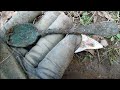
<point>22,35</point>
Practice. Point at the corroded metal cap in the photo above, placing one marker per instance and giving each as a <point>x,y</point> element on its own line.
<point>22,35</point>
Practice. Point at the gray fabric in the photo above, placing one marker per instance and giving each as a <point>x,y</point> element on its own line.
<point>19,18</point>
<point>47,20</point>
<point>51,20</point>
<point>58,59</point>
<point>9,67</point>
<point>38,52</point>
<point>52,66</point>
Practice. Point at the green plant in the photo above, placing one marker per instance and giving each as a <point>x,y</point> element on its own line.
<point>116,15</point>
<point>113,52</point>
<point>88,57</point>
<point>118,36</point>
<point>113,55</point>
<point>114,38</point>
<point>85,18</point>
<point>84,56</point>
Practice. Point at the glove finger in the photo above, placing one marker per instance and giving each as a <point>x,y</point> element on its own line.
<point>58,59</point>
<point>45,44</point>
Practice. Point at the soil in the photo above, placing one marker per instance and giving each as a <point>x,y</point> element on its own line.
<point>92,69</point>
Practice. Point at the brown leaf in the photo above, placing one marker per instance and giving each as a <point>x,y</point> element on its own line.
<point>104,43</point>
<point>95,19</point>
<point>91,51</point>
<point>97,37</point>
<point>88,43</point>
<point>81,12</point>
<point>107,15</point>
<point>100,14</point>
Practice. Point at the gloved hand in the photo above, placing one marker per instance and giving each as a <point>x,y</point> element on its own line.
<point>52,54</point>
<point>47,60</point>
<point>55,62</point>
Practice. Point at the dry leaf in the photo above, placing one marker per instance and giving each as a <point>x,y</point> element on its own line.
<point>104,43</point>
<point>107,15</point>
<point>95,19</point>
<point>100,14</point>
<point>91,51</point>
<point>97,37</point>
<point>88,43</point>
<point>93,12</point>
<point>81,12</point>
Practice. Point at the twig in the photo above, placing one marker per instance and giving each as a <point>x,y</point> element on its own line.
<point>117,52</point>
<point>98,55</point>
<point>118,16</point>
<point>78,57</point>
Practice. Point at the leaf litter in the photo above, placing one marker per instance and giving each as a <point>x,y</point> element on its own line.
<point>87,17</point>
<point>5,16</point>
<point>80,17</point>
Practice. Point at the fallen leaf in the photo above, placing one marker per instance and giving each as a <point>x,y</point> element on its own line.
<point>88,43</point>
<point>107,15</point>
<point>112,38</point>
<point>91,51</point>
<point>81,12</point>
<point>100,14</point>
<point>97,37</point>
<point>104,43</point>
<point>95,19</point>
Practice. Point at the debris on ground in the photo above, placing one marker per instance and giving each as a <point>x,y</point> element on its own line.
<point>103,63</point>
<point>88,43</point>
<point>5,16</point>
<point>104,43</point>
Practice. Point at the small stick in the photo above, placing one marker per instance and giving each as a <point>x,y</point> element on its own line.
<point>98,55</point>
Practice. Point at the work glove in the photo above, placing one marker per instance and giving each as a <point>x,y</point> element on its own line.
<point>51,55</point>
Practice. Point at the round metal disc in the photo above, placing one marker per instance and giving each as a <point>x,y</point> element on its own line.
<point>22,35</point>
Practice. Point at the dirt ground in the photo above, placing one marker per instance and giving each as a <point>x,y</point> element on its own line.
<point>93,67</point>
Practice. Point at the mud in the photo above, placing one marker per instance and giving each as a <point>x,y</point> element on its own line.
<point>92,70</point>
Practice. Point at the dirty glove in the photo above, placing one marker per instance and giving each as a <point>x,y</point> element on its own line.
<point>53,65</point>
<point>45,60</point>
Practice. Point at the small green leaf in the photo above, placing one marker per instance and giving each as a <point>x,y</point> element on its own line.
<point>81,21</point>
<point>85,19</point>
<point>85,14</point>
<point>112,38</point>
<point>118,36</point>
